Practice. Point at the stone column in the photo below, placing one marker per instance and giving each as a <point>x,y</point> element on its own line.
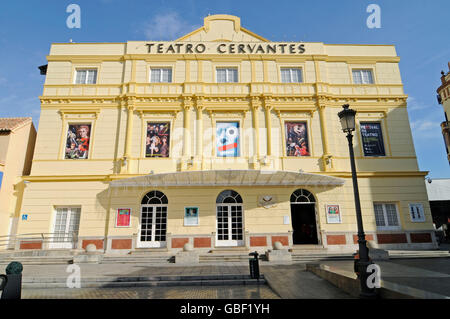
<point>199,106</point>
<point>268,109</point>
<point>187,103</point>
<point>130,105</point>
<point>326,157</point>
<point>255,104</point>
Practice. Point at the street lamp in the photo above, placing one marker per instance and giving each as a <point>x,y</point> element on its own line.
<point>347,118</point>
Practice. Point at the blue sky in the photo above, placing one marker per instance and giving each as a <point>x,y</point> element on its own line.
<point>419,29</point>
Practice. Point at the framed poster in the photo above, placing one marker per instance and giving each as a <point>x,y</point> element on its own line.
<point>123,217</point>
<point>296,139</point>
<point>227,139</point>
<point>191,216</point>
<point>372,139</point>
<point>77,141</point>
<point>333,214</point>
<point>157,139</point>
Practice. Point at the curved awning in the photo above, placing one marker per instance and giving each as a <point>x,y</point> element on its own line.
<point>229,177</point>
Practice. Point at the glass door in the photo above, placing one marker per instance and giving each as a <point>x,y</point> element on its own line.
<point>66,227</point>
<point>153,227</point>
<point>229,225</point>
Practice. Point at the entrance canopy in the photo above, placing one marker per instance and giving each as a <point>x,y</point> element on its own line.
<point>228,178</point>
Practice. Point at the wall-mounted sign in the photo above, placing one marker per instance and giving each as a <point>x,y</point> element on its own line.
<point>191,216</point>
<point>333,214</point>
<point>372,139</point>
<point>225,48</point>
<point>24,216</point>
<point>123,218</point>
<point>267,201</point>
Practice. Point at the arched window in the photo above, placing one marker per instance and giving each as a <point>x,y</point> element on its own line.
<point>154,197</point>
<point>229,197</point>
<point>302,196</point>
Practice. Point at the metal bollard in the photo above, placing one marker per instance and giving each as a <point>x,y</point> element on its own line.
<point>13,284</point>
<point>254,265</point>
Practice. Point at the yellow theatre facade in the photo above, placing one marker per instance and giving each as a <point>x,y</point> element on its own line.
<point>221,139</point>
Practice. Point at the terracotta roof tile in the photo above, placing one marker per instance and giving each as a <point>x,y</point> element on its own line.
<point>10,123</point>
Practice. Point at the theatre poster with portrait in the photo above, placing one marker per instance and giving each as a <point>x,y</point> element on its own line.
<point>157,143</point>
<point>77,141</point>
<point>297,143</point>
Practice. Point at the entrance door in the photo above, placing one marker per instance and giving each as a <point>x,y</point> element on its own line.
<point>229,219</point>
<point>66,226</point>
<point>303,217</point>
<point>153,227</point>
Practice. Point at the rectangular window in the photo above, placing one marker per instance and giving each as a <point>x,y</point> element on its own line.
<point>77,142</point>
<point>227,75</point>
<point>296,139</point>
<point>372,139</point>
<point>416,212</point>
<point>362,77</point>
<point>161,75</point>
<point>386,216</point>
<point>86,76</point>
<point>158,139</point>
<point>291,75</point>
<point>227,139</point>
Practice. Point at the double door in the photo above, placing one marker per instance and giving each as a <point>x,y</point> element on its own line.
<point>152,233</point>
<point>229,225</point>
<point>66,226</point>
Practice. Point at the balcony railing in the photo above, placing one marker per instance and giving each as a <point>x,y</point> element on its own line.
<point>164,89</point>
<point>10,242</point>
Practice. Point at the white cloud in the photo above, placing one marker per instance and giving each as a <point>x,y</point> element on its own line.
<point>168,26</point>
<point>416,105</point>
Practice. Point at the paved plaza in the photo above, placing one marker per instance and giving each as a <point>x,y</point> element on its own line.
<point>427,276</point>
<point>420,277</point>
<point>282,281</point>
<point>189,292</point>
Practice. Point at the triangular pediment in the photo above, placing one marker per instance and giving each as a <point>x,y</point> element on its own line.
<point>222,27</point>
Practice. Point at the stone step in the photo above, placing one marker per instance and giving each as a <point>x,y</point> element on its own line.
<point>230,250</point>
<point>151,281</point>
<point>418,254</point>
<point>241,282</point>
<point>37,259</point>
<point>301,248</point>
<point>137,260</point>
<point>38,253</point>
<point>145,251</point>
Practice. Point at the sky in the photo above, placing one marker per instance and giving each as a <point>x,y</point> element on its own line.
<point>419,29</point>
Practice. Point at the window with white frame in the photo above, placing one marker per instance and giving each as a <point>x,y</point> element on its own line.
<point>291,75</point>
<point>227,75</point>
<point>161,75</point>
<point>386,216</point>
<point>362,76</point>
<point>86,76</point>
<point>416,212</point>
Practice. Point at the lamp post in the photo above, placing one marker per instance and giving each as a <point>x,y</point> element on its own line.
<point>347,118</point>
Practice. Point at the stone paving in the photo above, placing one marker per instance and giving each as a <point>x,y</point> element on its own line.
<point>285,281</point>
<point>217,292</point>
<point>425,274</point>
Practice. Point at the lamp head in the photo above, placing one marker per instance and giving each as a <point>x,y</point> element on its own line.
<point>347,117</point>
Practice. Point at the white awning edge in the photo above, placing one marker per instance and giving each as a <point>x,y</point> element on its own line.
<point>229,178</point>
